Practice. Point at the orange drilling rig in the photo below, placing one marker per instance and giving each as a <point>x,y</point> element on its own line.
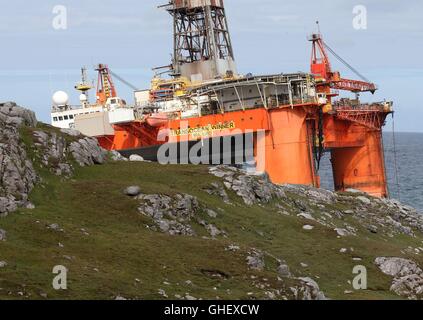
<point>292,119</point>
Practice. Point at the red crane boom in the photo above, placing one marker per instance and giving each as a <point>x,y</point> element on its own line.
<point>321,68</point>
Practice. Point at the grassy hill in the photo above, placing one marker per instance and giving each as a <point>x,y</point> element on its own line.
<point>111,249</point>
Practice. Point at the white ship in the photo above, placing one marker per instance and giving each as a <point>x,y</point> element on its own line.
<point>94,120</point>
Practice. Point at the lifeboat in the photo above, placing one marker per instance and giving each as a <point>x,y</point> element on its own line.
<point>157,120</point>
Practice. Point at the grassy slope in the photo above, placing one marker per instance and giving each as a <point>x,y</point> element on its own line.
<point>120,249</point>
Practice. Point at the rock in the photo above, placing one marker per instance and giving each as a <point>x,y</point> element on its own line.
<point>364,200</point>
<point>87,152</point>
<point>308,227</point>
<point>133,191</point>
<point>30,206</point>
<point>306,216</point>
<point>397,267</point>
<point>18,176</point>
<point>399,227</point>
<point>163,293</point>
<point>217,190</point>
<point>164,226</point>
<point>304,265</point>
<point>255,261</point>
<point>12,111</point>
<point>136,158</point>
<point>120,298</point>
<point>171,215</point>
<point>252,189</point>
<point>3,264</point>
<point>408,276</point>
<point>2,235</point>
<point>343,250</point>
<point>283,270</point>
<point>372,228</point>
<point>213,231</point>
<point>71,132</point>
<point>233,248</point>
<point>311,290</point>
<point>43,295</point>
<point>211,213</point>
<point>342,232</point>
<point>190,298</point>
<point>54,227</point>
<point>116,156</point>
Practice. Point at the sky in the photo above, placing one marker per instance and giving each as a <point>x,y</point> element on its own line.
<point>269,36</point>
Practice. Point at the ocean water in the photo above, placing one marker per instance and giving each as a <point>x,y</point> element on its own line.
<point>409,154</point>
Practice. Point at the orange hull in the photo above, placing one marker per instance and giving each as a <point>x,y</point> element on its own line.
<point>357,157</point>
<point>284,150</point>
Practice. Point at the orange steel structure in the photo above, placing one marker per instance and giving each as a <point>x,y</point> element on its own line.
<point>105,87</point>
<point>353,133</point>
<point>295,135</point>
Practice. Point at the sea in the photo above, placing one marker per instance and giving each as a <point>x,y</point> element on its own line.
<point>404,166</point>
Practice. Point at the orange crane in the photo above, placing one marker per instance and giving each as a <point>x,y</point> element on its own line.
<point>105,87</point>
<point>328,79</point>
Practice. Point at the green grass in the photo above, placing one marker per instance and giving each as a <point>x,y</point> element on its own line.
<point>120,248</point>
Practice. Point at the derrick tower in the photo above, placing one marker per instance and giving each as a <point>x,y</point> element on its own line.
<point>202,43</point>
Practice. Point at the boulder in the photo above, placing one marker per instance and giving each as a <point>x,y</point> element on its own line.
<point>2,235</point>
<point>311,290</point>
<point>364,200</point>
<point>87,152</point>
<point>133,191</point>
<point>283,270</point>
<point>408,276</point>
<point>136,158</point>
<point>116,156</point>
<point>255,261</point>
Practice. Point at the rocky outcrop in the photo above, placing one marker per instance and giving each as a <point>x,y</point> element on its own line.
<point>408,276</point>
<point>385,216</point>
<point>17,174</point>
<point>255,260</point>
<point>51,149</point>
<point>175,215</point>
<point>250,188</point>
<point>87,152</point>
<point>308,290</point>
<point>170,215</point>
<point>15,116</point>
